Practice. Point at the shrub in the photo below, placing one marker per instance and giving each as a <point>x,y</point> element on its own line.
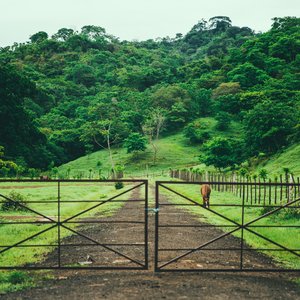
<point>283,214</point>
<point>266,209</point>
<point>197,132</point>
<point>17,277</point>
<point>224,120</point>
<point>290,213</point>
<point>14,205</point>
<point>119,185</point>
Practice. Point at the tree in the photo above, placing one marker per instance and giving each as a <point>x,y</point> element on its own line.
<point>152,128</point>
<point>286,47</point>
<point>39,37</point>
<point>107,129</point>
<point>135,143</point>
<point>247,75</point>
<point>6,166</point>
<point>226,88</point>
<point>268,125</point>
<point>63,34</point>
<point>221,152</point>
<point>219,23</point>
<point>224,120</point>
<point>18,132</point>
<point>196,132</point>
<point>82,74</point>
<point>93,32</point>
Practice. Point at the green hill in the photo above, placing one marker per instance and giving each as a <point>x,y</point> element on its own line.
<point>174,151</point>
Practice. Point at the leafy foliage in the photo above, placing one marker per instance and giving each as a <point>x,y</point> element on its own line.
<point>79,91</point>
<point>135,142</point>
<point>222,152</point>
<point>17,202</point>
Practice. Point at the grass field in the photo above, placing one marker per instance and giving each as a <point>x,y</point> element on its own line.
<point>289,237</point>
<point>46,192</point>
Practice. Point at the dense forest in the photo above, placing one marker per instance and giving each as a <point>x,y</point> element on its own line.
<point>77,92</point>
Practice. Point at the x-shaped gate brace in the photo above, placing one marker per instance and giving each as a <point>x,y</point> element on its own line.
<point>62,223</point>
<point>237,226</point>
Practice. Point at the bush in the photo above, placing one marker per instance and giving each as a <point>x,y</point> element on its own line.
<point>224,120</point>
<point>119,185</point>
<point>17,277</point>
<point>290,213</point>
<point>197,132</point>
<point>283,214</point>
<point>266,209</point>
<point>14,205</point>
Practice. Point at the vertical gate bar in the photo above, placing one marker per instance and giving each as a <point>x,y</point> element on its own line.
<point>240,186</point>
<point>270,192</point>
<point>146,225</point>
<point>264,191</point>
<point>58,227</point>
<point>156,227</point>
<point>242,234</point>
<point>255,186</point>
<point>259,190</point>
<point>280,189</point>
<point>275,190</point>
<point>247,199</point>
<point>250,191</point>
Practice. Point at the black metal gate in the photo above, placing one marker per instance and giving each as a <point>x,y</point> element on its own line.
<point>32,227</point>
<point>174,252</point>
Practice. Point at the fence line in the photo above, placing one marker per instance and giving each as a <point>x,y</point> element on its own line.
<point>257,191</point>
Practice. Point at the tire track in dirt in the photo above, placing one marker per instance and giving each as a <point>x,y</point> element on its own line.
<point>114,284</point>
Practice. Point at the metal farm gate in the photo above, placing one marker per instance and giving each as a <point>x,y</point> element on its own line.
<point>216,242</point>
<point>103,224</point>
<point>59,215</point>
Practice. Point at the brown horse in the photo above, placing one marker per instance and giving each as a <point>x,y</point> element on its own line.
<point>205,192</point>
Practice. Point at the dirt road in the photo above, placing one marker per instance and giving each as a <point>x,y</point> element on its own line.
<point>93,284</point>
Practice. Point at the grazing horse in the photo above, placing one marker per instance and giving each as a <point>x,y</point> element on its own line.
<point>205,192</point>
<point>44,177</point>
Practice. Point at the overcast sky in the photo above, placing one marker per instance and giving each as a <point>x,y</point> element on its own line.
<point>133,19</point>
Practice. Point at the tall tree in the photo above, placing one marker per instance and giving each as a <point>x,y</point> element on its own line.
<point>152,128</point>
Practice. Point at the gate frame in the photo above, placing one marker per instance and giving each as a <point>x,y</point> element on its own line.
<point>243,226</point>
<point>58,223</point>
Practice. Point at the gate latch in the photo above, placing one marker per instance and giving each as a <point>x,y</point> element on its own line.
<point>155,210</point>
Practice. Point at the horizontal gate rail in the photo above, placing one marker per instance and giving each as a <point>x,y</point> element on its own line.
<point>58,223</point>
<point>235,226</point>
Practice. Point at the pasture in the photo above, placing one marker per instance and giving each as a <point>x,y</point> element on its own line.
<point>281,226</point>
<point>41,200</point>
<point>70,193</point>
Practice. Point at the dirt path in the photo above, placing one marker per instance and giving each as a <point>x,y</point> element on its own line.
<point>97,284</point>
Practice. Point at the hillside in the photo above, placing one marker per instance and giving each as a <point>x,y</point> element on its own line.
<point>289,158</point>
<point>174,151</point>
<point>64,96</point>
